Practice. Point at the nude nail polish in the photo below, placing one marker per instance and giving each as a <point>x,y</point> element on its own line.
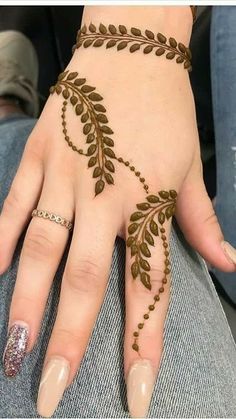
<point>140,383</point>
<point>15,349</point>
<point>230,251</point>
<point>52,386</point>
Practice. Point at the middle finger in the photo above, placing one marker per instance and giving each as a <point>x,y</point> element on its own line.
<point>82,292</point>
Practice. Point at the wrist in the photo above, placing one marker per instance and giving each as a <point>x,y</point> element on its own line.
<point>119,66</point>
<point>106,42</point>
<point>172,21</point>
<point>114,68</point>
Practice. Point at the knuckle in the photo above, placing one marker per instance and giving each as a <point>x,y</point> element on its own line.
<point>38,244</point>
<point>62,334</point>
<point>156,274</point>
<point>12,202</point>
<point>20,302</point>
<point>33,149</point>
<point>211,219</point>
<point>72,342</point>
<point>21,299</point>
<point>84,276</point>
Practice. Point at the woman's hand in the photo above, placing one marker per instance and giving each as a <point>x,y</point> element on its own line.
<point>147,103</point>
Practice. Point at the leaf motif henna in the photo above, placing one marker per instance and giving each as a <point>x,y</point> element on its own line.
<point>84,99</point>
<point>86,103</point>
<point>120,38</point>
<point>142,231</point>
<point>144,228</point>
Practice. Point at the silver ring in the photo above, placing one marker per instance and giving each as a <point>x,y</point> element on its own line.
<point>52,217</point>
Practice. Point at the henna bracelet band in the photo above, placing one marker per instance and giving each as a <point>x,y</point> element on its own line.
<point>121,38</point>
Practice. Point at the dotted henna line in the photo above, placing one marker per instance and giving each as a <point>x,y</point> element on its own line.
<point>65,131</point>
<point>156,297</point>
<point>80,151</point>
<point>136,172</point>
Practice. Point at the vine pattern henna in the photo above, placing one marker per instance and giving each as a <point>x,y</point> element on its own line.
<point>142,233</point>
<point>143,229</point>
<point>120,38</point>
<point>84,99</point>
<point>147,222</point>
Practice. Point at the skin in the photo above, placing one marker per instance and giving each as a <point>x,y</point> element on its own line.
<point>151,110</point>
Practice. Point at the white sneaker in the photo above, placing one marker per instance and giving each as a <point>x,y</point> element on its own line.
<point>19,70</point>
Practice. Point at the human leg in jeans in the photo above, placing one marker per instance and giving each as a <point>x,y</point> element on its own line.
<point>223,72</point>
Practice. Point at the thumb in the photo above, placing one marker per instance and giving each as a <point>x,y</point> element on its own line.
<point>197,219</point>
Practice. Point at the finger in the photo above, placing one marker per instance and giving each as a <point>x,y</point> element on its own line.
<point>42,250</point>
<point>197,219</point>
<point>19,203</point>
<point>82,292</point>
<point>147,298</point>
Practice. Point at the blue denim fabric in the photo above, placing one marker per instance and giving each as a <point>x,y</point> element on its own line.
<point>197,375</point>
<point>223,72</point>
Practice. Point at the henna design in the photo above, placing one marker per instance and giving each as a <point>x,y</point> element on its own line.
<point>84,100</point>
<point>81,97</point>
<point>121,39</point>
<point>136,172</point>
<point>142,231</point>
<point>146,223</point>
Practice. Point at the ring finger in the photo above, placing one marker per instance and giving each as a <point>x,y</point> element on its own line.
<point>42,250</point>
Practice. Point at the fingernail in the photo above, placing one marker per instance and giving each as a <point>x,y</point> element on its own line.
<point>16,347</point>
<point>230,251</point>
<point>140,383</point>
<point>53,383</point>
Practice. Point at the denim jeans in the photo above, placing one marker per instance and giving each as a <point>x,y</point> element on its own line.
<point>223,72</point>
<point>197,374</point>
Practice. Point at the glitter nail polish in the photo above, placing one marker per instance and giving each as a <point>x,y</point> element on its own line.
<point>15,350</point>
